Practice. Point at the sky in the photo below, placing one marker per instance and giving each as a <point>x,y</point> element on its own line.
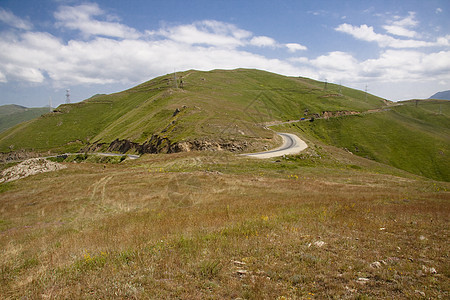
<point>397,50</point>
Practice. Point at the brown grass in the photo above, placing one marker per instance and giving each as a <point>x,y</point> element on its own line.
<point>196,226</point>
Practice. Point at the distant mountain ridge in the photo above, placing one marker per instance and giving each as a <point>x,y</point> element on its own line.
<point>12,114</point>
<point>444,95</point>
<point>10,109</point>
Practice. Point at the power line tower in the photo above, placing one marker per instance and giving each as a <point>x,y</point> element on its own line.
<point>67,96</point>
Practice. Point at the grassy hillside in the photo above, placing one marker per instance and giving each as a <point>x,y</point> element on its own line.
<point>231,106</point>
<point>413,137</point>
<point>11,115</point>
<point>10,109</point>
<point>324,224</point>
<point>215,105</point>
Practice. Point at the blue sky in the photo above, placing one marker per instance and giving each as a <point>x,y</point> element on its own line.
<point>399,49</point>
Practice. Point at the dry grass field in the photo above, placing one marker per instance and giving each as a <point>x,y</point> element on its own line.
<point>209,226</point>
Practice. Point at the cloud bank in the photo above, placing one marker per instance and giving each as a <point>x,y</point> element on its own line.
<point>105,51</point>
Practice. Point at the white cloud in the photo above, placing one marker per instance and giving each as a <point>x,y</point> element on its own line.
<point>27,74</point>
<point>14,21</point>
<point>437,63</point>
<point>401,26</point>
<point>444,40</point>
<point>367,33</point>
<point>363,32</point>
<point>293,47</point>
<point>116,53</point>
<point>105,60</point>
<point>439,10</point>
<point>409,21</point>
<point>81,18</point>
<point>206,32</point>
<point>391,66</point>
<point>400,31</point>
<point>334,66</point>
<point>263,41</point>
<point>335,61</point>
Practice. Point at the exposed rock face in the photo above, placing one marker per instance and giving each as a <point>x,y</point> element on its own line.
<point>155,145</point>
<point>29,167</point>
<point>159,144</point>
<point>17,155</point>
<point>204,145</point>
<point>330,114</point>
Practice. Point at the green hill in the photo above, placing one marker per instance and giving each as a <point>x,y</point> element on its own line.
<point>11,109</point>
<point>227,110</point>
<point>217,107</point>
<point>326,223</point>
<point>412,137</point>
<point>11,115</point>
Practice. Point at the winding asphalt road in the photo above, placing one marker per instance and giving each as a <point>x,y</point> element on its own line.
<point>292,144</point>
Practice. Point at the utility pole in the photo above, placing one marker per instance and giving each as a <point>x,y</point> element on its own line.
<point>326,82</point>
<point>50,104</point>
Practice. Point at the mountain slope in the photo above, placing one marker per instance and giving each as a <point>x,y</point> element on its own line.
<point>227,110</point>
<point>411,137</point>
<point>11,115</point>
<point>11,109</point>
<point>211,107</point>
<point>444,95</point>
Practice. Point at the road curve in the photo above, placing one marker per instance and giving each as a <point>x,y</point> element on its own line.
<point>292,144</point>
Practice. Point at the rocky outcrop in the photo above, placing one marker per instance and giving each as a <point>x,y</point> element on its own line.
<point>205,145</point>
<point>18,156</point>
<point>158,144</point>
<point>331,114</point>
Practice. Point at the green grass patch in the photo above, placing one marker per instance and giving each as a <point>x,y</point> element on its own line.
<point>11,115</point>
<point>212,105</point>
<point>406,137</point>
